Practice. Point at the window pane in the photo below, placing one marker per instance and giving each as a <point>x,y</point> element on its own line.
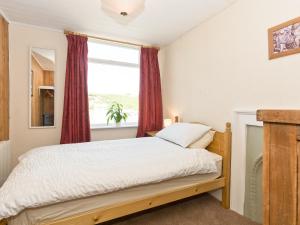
<point>111,83</point>
<point>113,52</point>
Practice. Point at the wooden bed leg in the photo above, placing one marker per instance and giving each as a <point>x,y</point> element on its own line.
<point>227,167</point>
<point>226,197</point>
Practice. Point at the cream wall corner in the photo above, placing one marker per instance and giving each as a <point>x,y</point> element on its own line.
<point>223,65</point>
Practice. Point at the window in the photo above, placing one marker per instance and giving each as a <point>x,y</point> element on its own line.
<point>113,76</point>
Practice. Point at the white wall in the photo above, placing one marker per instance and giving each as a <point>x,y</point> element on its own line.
<point>22,138</point>
<point>223,65</point>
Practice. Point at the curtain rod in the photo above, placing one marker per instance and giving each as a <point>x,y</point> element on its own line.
<point>110,40</point>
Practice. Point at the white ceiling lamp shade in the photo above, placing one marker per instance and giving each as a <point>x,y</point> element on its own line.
<point>123,7</point>
<point>123,11</point>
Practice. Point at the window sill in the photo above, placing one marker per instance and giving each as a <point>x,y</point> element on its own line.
<point>104,127</point>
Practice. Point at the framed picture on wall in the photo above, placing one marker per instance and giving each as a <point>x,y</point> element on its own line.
<point>284,39</point>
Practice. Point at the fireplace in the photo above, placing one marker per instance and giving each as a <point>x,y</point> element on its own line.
<point>253,179</point>
<point>246,179</point>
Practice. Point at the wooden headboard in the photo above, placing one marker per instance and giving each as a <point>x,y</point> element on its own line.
<point>221,145</point>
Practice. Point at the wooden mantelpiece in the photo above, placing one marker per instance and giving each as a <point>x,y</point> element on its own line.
<point>279,116</point>
<point>281,167</point>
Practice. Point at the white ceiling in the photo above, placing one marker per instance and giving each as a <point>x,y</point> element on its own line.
<point>46,53</point>
<point>161,22</point>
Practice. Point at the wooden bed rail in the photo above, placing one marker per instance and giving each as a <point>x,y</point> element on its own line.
<point>118,210</point>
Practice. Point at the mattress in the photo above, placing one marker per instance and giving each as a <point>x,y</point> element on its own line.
<point>35,216</point>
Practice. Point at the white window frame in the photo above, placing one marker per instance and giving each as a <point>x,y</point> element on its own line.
<point>116,63</point>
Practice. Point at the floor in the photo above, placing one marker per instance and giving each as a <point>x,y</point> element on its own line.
<point>203,210</point>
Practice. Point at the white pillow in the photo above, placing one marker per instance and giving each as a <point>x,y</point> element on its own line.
<point>183,134</point>
<point>204,141</point>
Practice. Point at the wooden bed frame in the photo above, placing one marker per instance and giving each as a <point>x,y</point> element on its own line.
<point>221,145</point>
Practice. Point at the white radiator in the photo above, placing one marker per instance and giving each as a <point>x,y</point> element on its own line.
<point>5,161</point>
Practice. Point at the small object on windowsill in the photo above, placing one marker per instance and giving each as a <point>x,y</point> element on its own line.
<point>116,114</point>
<point>151,133</point>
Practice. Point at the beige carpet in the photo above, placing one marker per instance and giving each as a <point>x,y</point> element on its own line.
<point>203,210</point>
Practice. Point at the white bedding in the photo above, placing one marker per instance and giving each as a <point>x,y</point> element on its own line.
<point>59,173</point>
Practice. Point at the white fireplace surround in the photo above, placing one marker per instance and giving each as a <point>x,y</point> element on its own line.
<point>242,118</point>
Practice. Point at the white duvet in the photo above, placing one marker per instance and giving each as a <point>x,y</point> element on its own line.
<point>59,173</point>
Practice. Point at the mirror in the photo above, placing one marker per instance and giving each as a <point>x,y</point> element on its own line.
<point>42,88</point>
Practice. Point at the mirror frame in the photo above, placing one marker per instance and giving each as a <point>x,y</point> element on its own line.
<point>30,89</point>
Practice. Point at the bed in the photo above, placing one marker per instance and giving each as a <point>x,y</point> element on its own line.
<point>98,208</point>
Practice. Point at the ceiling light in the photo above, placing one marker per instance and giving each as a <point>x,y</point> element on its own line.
<point>123,7</point>
<point>124,13</point>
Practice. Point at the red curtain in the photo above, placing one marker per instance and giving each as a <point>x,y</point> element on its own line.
<point>76,121</point>
<point>150,100</point>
